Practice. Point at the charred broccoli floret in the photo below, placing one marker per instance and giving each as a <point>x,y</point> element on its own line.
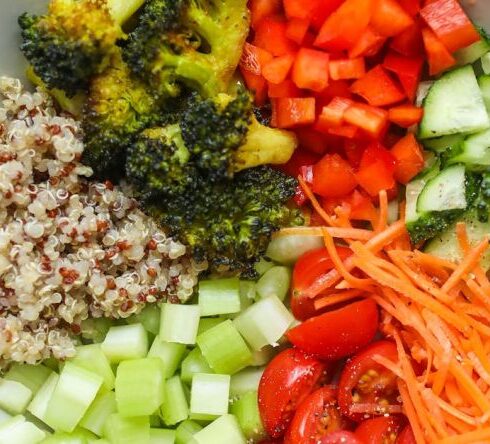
<point>181,42</point>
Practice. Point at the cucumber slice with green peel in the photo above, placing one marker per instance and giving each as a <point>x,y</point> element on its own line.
<point>219,296</point>
<point>485,63</point>
<point>92,358</point>
<point>475,152</point>
<point>454,104</point>
<point>125,342</point>
<point>444,143</point>
<point>446,191</point>
<point>274,282</point>
<point>162,436</point>
<point>287,249</point>
<point>120,430</point>
<point>224,430</point>
<point>175,407</point>
<point>246,411</point>
<point>103,406</point>
<point>186,430</point>
<point>209,396</point>
<point>473,52</point>
<point>17,430</point>
<point>14,396</point>
<point>484,83</point>
<point>39,403</point>
<point>32,376</point>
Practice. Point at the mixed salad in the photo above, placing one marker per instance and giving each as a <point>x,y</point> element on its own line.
<point>228,222</point>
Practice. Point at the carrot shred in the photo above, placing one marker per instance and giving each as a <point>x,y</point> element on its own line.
<point>344,296</point>
<point>314,202</point>
<point>337,232</point>
<point>383,212</point>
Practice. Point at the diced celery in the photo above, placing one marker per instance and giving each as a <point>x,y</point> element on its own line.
<point>170,353</point>
<point>18,431</point>
<point>264,323</point>
<point>185,431</point>
<point>219,296</point>
<point>194,363</point>
<point>175,407</point>
<point>120,430</point>
<point>245,381</point>
<point>287,249</point>
<point>207,323</point>
<point>162,436</point>
<point>78,436</point>
<point>179,323</point>
<point>95,329</point>
<point>39,403</point>
<point>485,63</point>
<point>246,411</point>
<point>224,430</point>
<point>139,387</point>
<point>155,421</point>
<point>4,416</point>
<point>209,396</point>
<point>32,376</point>
<point>14,396</point>
<point>92,358</point>
<point>149,317</point>
<point>264,355</point>
<point>72,396</point>
<point>52,364</point>
<point>125,342</point>
<point>36,421</point>
<point>274,282</point>
<point>224,348</point>
<point>103,406</point>
<point>248,293</point>
<point>263,265</point>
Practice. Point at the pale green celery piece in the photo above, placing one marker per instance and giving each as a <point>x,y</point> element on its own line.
<point>32,376</point>
<point>39,403</point>
<point>17,430</point>
<point>95,329</point>
<point>75,391</point>
<point>92,358</point>
<point>78,436</point>
<point>209,396</point>
<point>287,249</point>
<point>263,265</point>
<point>485,63</point>
<point>274,282</point>
<point>120,430</point>
<point>4,416</point>
<point>219,296</point>
<point>149,317</point>
<point>139,387</point>
<point>245,381</point>
<point>37,422</point>
<point>99,441</point>
<point>14,396</point>
<point>170,353</point>
<point>264,355</point>
<point>103,406</point>
<point>224,430</point>
<point>194,363</point>
<point>185,431</point>
<point>224,348</point>
<point>207,323</point>
<point>175,407</point>
<point>179,323</point>
<point>125,342</point>
<point>264,323</point>
<point>246,411</point>
<point>162,436</point>
<point>52,363</point>
<point>248,293</point>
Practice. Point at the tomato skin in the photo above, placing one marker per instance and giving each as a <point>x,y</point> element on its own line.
<point>288,379</point>
<point>357,367</point>
<point>333,177</point>
<point>406,436</point>
<point>308,424</point>
<point>378,430</point>
<point>338,333</point>
<point>340,437</point>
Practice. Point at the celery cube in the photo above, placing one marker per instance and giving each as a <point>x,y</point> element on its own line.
<point>209,396</point>
<point>4,416</point>
<point>170,353</point>
<point>32,376</point>
<point>149,317</point>
<point>219,296</point>
<point>185,431</point>
<point>14,396</point>
<point>95,329</point>
<point>245,381</point>
<point>224,430</point>
<point>92,358</point>
<point>72,396</point>
<point>194,363</point>
<point>162,436</point>
<point>18,431</point>
<point>125,342</point>
<point>274,282</point>
<point>39,404</point>
<point>175,407</point>
<point>246,411</point>
<point>139,387</point>
<point>103,406</point>
<point>121,430</point>
<point>224,348</point>
<point>78,436</point>
<point>179,323</point>
<point>207,323</point>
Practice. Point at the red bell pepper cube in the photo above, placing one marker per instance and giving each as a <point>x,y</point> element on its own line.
<point>292,112</point>
<point>389,18</point>
<point>271,36</point>
<point>405,115</point>
<point>284,89</point>
<point>376,151</point>
<point>297,29</point>
<point>322,11</point>
<point>409,43</point>
<point>378,88</point>
<point>256,84</point>
<point>407,69</point>
<point>354,149</point>
<point>312,140</point>
<point>335,88</point>
<point>277,69</point>
<point>410,6</point>
<point>302,9</point>
<point>300,158</point>
<point>310,70</point>
<point>260,9</point>
<point>368,44</point>
<point>450,24</point>
<point>368,118</point>
<point>376,170</point>
<point>332,115</point>
<point>347,68</point>
<point>347,131</point>
<point>344,27</point>
<point>438,56</point>
<point>361,207</point>
<point>253,58</point>
<point>333,177</point>
<point>409,158</point>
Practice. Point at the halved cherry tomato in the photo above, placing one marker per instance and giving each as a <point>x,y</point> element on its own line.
<point>316,416</point>
<point>364,385</point>
<point>309,267</point>
<point>287,380</point>
<point>340,437</point>
<point>338,333</point>
<point>406,436</point>
<point>382,430</point>
<point>333,177</point>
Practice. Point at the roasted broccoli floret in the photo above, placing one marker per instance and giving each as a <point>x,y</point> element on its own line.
<point>230,222</point>
<point>181,42</point>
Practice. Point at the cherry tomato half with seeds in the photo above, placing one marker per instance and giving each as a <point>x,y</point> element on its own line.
<point>366,387</point>
<point>287,380</point>
<point>340,437</point>
<point>381,430</point>
<point>406,436</point>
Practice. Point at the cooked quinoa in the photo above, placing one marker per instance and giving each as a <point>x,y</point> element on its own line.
<point>69,248</point>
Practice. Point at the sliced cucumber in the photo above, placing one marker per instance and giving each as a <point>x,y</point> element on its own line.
<point>484,83</point>
<point>475,151</point>
<point>454,104</point>
<point>485,63</point>
<point>446,191</point>
<point>443,144</point>
<point>472,53</point>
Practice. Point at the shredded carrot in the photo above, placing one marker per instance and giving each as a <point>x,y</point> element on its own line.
<point>482,435</point>
<point>337,232</point>
<point>314,202</point>
<point>383,212</point>
<point>333,299</point>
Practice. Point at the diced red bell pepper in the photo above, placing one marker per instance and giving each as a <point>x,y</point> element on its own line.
<point>378,88</point>
<point>389,18</point>
<point>368,118</point>
<point>344,27</point>
<point>368,44</point>
<point>310,69</point>
<point>253,58</point>
<point>292,112</point>
<point>259,9</point>
<point>335,88</point>
<point>271,36</point>
<point>323,9</point>
<point>354,149</point>
<point>297,29</point>
<point>361,207</point>
<point>312,140</point>
<point>408,71</point>
<point>302,9</point>
<point>332,115</point>
<point>284,89</point>
<point>411,6</point>
<point>347,68</point>
<point>277,69</point>
<point>409,158</point>
<point>347,131</point>
<point>450,24</point>
<point>256,84</point>
<point>409,43</point>
<point>374,152</point>
<point>376,170</point>
<point>438,56</point>
<point>405,115</point>
<point>300,158</point>
<point>333,177</point>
